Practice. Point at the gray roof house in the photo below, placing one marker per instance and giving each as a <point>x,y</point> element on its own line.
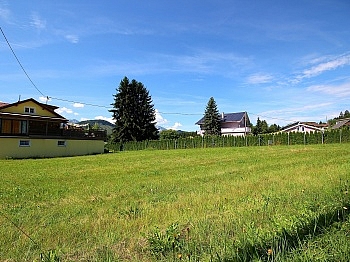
<point>341,123</point>
<point>232,124</point>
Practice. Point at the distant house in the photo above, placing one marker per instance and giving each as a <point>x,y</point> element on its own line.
<point>232,124</point>
<point>304,127</point>
<point>341,123</point>
<point>29,128</point>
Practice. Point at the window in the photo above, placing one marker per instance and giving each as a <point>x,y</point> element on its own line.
<point>24,142</point>
<point>29,110</point>
<point>23,127</point>
<point>61,143</point>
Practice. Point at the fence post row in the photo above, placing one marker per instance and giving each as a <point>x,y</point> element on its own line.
<point>326,137</point>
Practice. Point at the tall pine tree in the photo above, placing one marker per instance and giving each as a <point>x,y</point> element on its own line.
<point>212,120</point>
<point>258,128</point>
<point>133,112</point>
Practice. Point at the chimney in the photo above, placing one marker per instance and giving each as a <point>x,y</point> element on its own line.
<point>222,115</point>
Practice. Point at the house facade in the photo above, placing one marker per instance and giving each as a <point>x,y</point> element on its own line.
<point>304,127</point>
<point>29,128</point>
<point>232,124</point>
<point>345,122</point>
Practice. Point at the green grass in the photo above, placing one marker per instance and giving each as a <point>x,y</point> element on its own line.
<point>228,204</point>
<point>332,245</point>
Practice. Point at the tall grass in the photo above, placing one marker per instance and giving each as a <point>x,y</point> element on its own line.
<point>228,204</point>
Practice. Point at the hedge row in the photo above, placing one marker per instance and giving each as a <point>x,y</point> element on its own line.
<point>328,137</point>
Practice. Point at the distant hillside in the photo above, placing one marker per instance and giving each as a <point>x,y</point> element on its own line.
<point>103,124</point>
<point>160,128</point>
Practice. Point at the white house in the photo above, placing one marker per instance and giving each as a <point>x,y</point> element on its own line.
<point>304,127</point>
<point>232,124</point>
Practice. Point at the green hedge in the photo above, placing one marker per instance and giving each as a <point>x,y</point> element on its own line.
<point>328,137</point>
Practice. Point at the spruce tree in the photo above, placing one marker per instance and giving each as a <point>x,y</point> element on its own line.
<point>133,112</point>
<point>212,120</point>
<point>258,128</point>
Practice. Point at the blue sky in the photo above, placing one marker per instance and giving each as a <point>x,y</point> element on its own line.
<point>283,61</point>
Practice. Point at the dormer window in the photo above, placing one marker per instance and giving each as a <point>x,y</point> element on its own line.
<point>29,110</point>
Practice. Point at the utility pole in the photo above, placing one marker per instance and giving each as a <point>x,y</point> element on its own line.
<point>245,128</point>
<point>245,123</point>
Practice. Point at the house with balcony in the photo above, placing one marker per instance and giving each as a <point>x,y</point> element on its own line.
<point>232,124</point>
<point>30,129</point>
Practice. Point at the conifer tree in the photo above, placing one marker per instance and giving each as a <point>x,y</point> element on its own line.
<point>258,128</point>
<point>133,112</point>
<point>212,120</point>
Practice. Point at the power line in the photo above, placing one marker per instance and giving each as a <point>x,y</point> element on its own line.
<point>23,232</point>
<point>287,120</point>
<point>101,106</point>
<point>25,72</point>
<point>77,102</point>
<point>183,114</point>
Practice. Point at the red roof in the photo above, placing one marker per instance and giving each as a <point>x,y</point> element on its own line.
<point>3,104</point>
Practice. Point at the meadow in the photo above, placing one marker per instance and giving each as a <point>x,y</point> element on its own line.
<point>268,203</point>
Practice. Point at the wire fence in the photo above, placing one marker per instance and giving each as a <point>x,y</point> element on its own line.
<point>327,137</point>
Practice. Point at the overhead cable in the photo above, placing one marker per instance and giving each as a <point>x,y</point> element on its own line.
<point>95,105</point>
<point>25,72</point>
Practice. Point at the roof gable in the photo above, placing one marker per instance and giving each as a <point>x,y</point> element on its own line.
<point>40,108</point>
<point>341,123</point>
<point>2,104</point>
<point>310,125</point>
<point>233,117</point>
<point>229,117</point>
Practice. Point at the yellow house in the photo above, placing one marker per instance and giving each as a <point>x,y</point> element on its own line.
<point>29,128</point>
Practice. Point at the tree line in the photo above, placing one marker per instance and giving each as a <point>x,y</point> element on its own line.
<point>134,115</point>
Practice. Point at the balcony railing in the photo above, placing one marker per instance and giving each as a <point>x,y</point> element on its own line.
<point>231,131</point>
<point>85,134</point>
<point>240,130</point>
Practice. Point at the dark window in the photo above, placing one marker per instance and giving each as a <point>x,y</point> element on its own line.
<point>30,110</point>
<point>61,143</point>
<point>24,142</point>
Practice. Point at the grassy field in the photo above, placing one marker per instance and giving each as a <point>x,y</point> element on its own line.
<point>279,203</point>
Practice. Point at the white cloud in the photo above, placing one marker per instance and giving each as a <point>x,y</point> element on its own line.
<point>64,110</point>
<point>78,105</point>
<point>159,119</point>
<point>259,79</point>
<point>5,14</point>
<point>301,112</point>
<point>37,22</point>
<point>74,39</point>
<point>176,126</point>
<point>331,64</point>
<point>341,90</point>
<point>44,99</point>
<point>201,62</point>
